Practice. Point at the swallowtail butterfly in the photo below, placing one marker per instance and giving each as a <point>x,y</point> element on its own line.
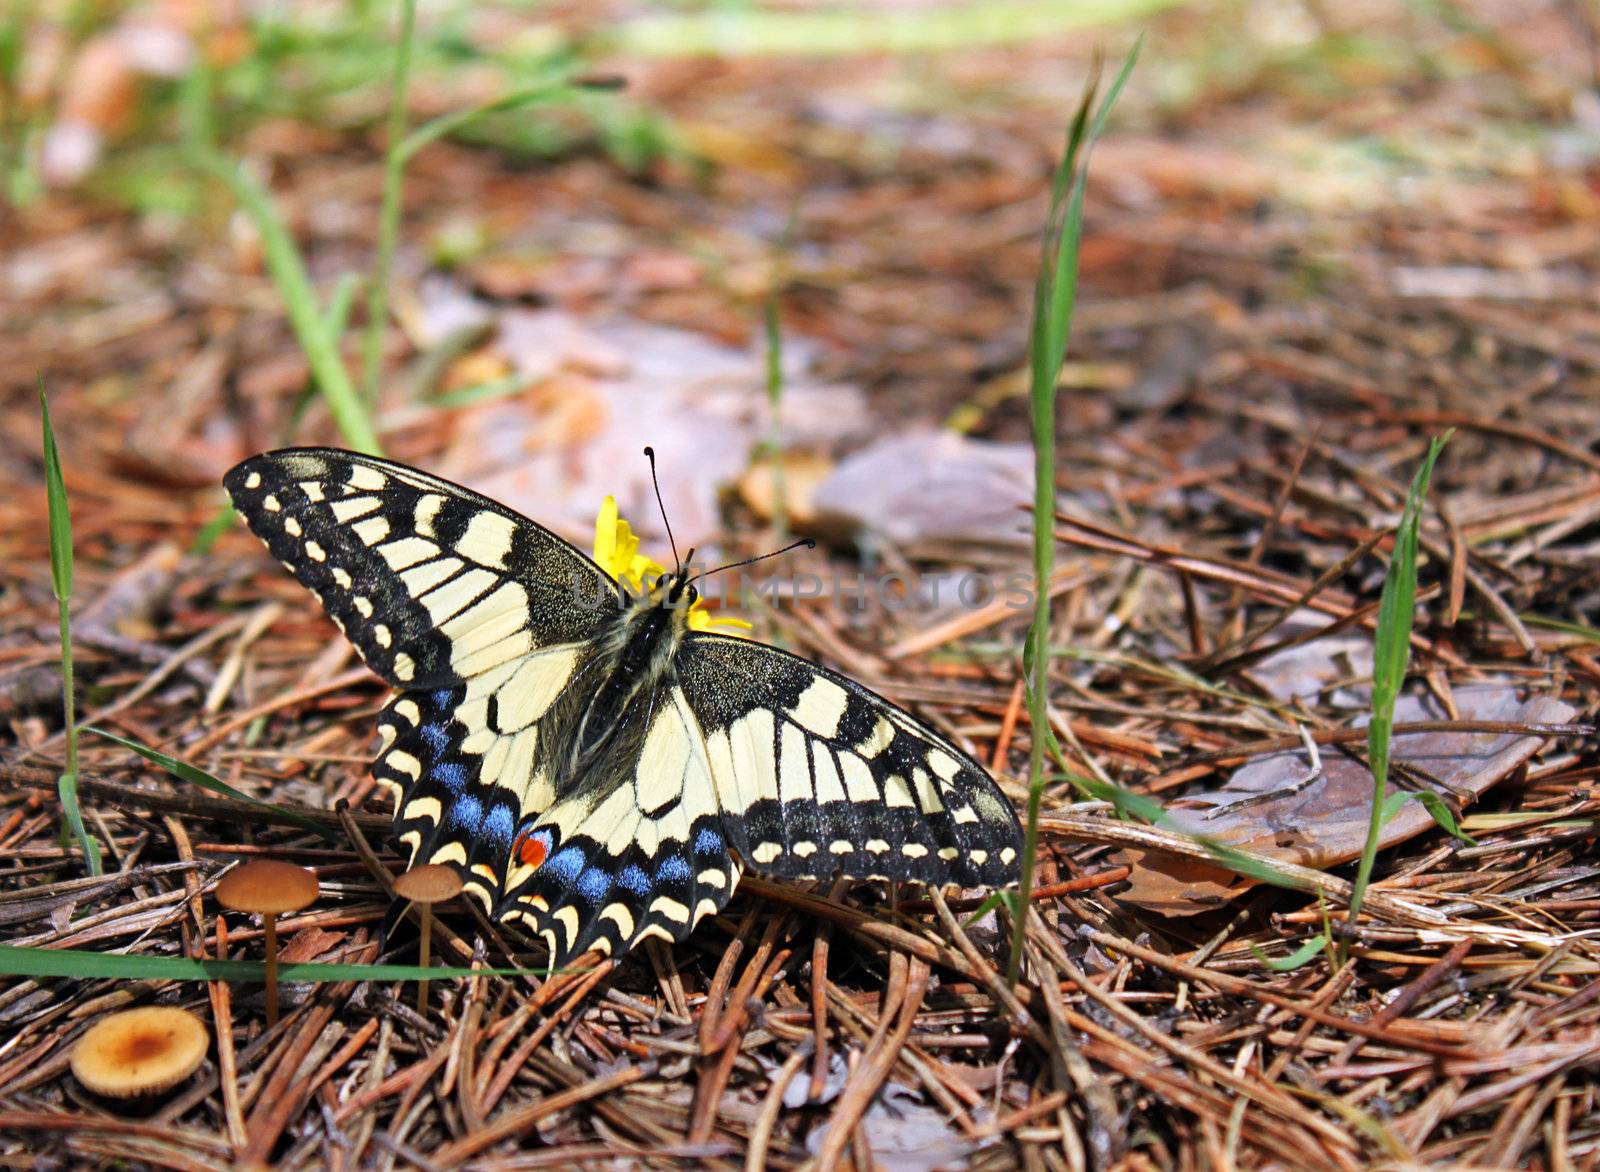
<point>589,764</point>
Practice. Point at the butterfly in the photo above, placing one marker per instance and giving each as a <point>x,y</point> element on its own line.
<point>592,766</point>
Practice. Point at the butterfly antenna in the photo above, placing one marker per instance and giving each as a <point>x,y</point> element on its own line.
<point>650,454</point>
<point>805,541</point>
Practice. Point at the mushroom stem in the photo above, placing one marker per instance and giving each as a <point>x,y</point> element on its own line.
<point>271,922</point>
<point>422,957</point>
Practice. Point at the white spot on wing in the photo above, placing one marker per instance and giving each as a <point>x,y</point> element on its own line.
<point>820,707</point>
<point>404,552</point>
<point>428,506</point>
<point>372,530</point>
<point>670,909</point>
<point>877,740</point>
<point>362,476</point>
<point>428,808</point>
<point>487,539</point>
<point>420,579</point>
<point>348,508</point>
<point>794,767</point>
<point>858,781</point>
<point>896,792</point>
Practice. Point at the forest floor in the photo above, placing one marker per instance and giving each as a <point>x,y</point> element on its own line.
<point>1314,240</point>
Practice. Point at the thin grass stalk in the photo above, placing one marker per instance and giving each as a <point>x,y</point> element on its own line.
<point>774,337</point>
<point>394,165</point>
<point>1392,654</point>
<point>1054,296</point>
<point>60,524</point>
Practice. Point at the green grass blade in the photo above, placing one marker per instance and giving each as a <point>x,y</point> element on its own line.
<point>213,529</point>
<point>389,211</point>
<point>84,965</point>
<point>780,488</point>
<point>60,524</point>
<point>183,771</point>
<point>1300,957</point>
<point>1054,296</point>
<point>1392,653</point>
<point>299,299</point>
<point>56,501</point>
<point>342,302</point>
<point>446,124</point>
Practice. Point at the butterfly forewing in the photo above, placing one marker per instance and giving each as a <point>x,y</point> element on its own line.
<point>431,582</point>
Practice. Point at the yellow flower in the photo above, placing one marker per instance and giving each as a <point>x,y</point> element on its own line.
<point>616,551</point>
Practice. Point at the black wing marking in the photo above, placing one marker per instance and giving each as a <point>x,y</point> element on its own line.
<point>433,583</point>
<point>639,852</point>
<point>818,776</point>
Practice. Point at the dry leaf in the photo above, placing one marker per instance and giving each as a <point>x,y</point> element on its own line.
<point>1276,808</point>
<point>932,485</point>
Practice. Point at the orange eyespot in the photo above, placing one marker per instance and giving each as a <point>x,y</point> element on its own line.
<point>530,850</point>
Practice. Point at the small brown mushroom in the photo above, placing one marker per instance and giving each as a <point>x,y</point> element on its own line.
<point>425,886</point>
<point>270,889</point>
<point>140,1051</point>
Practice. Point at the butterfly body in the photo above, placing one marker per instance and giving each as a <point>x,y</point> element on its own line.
<point>592,765</point>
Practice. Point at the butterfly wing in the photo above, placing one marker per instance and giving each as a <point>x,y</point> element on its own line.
<point>483,618</point>
<point>817,776</point>
<point>638,851</point>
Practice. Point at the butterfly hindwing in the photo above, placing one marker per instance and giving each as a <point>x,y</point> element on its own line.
<point>639,851</point>
<point>818,776</point>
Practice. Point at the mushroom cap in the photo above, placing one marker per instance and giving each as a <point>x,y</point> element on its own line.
<point>429,883</point>
<point>268,887</point>
<point>140,1051</point>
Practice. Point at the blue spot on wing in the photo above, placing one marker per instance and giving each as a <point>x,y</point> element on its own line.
<point>673,869</point>
<point>466,813</point>
<point>444,699</point>
<point>499,824</point>
<point>436,736</point>
<point>635,880</point>
<point>565,864</point>
<point>708,842</point>
<point>451,775</point>
<point>594,885</point>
